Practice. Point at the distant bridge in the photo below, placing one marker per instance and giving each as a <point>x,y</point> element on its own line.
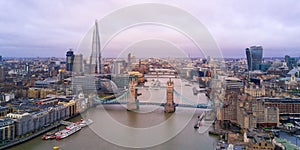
<point>122,99</point>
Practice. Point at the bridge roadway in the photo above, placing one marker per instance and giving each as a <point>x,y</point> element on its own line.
<point>186,100</point>
<point>124,101</point>
<point>202,106</point>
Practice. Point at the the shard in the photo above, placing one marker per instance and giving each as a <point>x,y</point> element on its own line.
<point>95,58</point>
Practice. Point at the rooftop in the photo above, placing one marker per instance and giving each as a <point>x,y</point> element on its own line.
<point>232,79</point>
<point>282,100</point>
<point>293,71</point>
<point>4,122</point>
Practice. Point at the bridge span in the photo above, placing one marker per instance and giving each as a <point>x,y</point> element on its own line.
<point>130,98</point>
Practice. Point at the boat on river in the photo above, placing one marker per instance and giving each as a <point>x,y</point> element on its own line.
<point>199,119</point>
<point>84,123</point>
<point>69,130</point>
<point>155,85</point>
<point>49,136</point>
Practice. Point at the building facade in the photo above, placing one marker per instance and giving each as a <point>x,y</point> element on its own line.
<point>69,60</point>
<point>286,106</point>
<point>7,130</point>
<point>71,107</point>
<point>233,88</point>
<point>2,73</point>
<point>28,122</point>
<point>254,57</point>
<point>78,64</point>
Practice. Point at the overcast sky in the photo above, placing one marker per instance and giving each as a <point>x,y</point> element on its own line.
<point>31,28</point>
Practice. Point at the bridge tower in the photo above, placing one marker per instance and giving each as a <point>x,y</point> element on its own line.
<point>133,102</point>
<point>170,105</point>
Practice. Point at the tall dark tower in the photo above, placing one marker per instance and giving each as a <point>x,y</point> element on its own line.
<point>70,60</point>
<point>95,59</point>
<point>1,61</point>
<point>254,57</point>
<point>249,60</point>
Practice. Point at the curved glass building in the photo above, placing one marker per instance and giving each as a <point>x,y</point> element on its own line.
<point>254,57</point>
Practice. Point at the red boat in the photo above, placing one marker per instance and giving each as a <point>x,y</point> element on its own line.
<point>49,136</point>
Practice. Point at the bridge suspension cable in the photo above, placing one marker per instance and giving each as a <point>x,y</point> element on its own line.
<point>122,99</point>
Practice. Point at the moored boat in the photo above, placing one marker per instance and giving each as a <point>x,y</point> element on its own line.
<point>49,136</point>
<point>84,123</point>
<point>69,130</point>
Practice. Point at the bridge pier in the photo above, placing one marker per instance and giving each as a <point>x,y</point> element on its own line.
<point>170,105</point>
<point>133,102</point>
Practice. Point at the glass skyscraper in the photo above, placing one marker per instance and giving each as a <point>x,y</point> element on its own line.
<point>70,60</point>
<point>254,57</point>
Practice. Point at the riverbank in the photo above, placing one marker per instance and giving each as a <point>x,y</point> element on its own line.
<point>89,138</point>
<point>35,134</point>
<point>21,140</point>
<point>285,140</point>
<point>93,137</point>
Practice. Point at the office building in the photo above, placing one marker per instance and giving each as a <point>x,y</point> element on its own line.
<point>69,60</point>
<point>254,57</point>
<point>118,66</point>
<point>129,58</point>
<point>2,74</point>
<point>290,62</point>
<point>78,64</point>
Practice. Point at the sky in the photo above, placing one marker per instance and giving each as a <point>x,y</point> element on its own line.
<point>32,28</point>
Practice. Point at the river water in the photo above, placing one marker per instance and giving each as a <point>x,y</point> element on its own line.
<point>149,127</point>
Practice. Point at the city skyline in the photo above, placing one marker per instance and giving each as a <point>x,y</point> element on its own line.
<point>34,28</point>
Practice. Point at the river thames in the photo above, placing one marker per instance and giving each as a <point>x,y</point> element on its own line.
<point>149,127</point>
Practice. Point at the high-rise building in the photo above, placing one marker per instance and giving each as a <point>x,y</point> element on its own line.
<point>27,68</point>
<point>118,66</point>
<point>2,74</point>
<point>129,58</point>
<point>78,64</point>
<point>286,58</point>
<point>95,65</point>
<point>291,62</point>
<point>61,73</point>
<point>254,57</point>
<point>70,60</point>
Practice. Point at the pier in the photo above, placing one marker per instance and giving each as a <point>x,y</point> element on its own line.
<point>66,123</point>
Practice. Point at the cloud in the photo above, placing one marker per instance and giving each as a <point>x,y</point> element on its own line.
<point>36,28</point>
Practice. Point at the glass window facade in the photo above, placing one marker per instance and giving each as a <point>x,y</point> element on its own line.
<point>254,57</point>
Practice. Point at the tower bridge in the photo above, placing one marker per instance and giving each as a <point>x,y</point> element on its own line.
<point>130,98</point>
